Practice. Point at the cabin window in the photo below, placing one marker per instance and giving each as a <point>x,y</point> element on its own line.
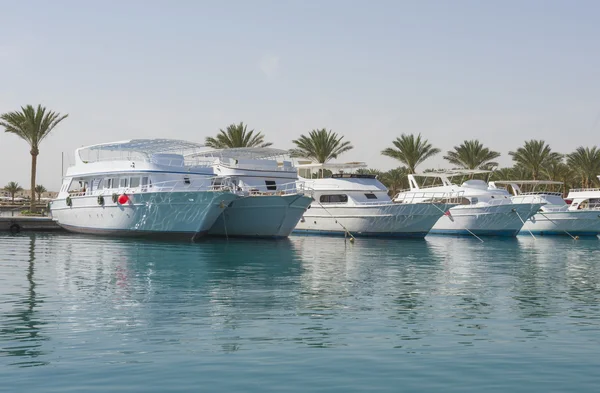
<point>370,195</point>
<point>337,198</point>
<point>134,182</point>
<point>474,201</point>
<point>124,182</point>
<point>98,184</point>
<point>144,182</point>
<point>186,180</point>
<point>112,183</point>
<point>271,185</point>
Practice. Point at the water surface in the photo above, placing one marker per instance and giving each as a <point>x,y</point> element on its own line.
<point>317,314</point>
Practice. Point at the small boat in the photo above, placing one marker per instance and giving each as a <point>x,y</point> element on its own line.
<point>354,204</point>
<point>483,211</point>
<point>555,217</point>
<point>269,203</point>
<point>139,187</point>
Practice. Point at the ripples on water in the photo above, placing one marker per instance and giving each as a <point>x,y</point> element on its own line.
<point>305,314</point>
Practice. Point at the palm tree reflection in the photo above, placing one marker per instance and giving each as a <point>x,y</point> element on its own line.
<point>23,328</point>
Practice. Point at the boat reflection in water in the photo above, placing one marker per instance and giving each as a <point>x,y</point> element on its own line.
<point>100,299</point>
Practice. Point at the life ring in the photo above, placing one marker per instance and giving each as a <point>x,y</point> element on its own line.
<point>115,197</point>
<point>100,200</point>
<point>15,228</point>
<point>69,201</point>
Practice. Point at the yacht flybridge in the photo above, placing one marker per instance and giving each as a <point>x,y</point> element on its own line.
<point>139,187</point>
<point>358,204</point>
<point>584,198</point>
<point>270,204</point>
<point>555,217</point>
<point>482,211</point>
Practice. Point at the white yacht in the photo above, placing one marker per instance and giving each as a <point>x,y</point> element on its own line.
<point>270,204</point>
<point>482,211</point>
<point>584,198</point>
<point>555,217</point>
<point>139,187</point>
<point>359,205</point>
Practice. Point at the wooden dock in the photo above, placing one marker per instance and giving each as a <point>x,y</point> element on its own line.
<point>18,224</point>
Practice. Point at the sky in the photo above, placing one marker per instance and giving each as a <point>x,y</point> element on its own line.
<point>499,71</point>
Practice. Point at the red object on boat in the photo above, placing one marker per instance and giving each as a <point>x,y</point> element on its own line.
<point>447,213</point>
<point>123,199</point>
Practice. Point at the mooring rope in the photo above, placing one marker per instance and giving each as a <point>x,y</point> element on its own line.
<point>564,230</point>
<point>518,215</point>
<point>347,232</point>
<point>465,228</point>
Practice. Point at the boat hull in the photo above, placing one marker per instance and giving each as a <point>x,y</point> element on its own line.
<point>499,220</point>
<point>271,216</point>
<point>564,223</point>
<point>389,220</point>
<point>153,214</point>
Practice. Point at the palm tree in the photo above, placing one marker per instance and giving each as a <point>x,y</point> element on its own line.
<point>39,190</point>
<point>559,171</point>
<point>33,125</point>
<point>320,146</point>
<point>411,151</point>
<point>503,174</point>
<point>534,155</point>
<point>237,135</point>
<point>586,163</point>
<point>472,155</point>
<point>370,171</point>
<point>395,180</point>
<point>12,188</point>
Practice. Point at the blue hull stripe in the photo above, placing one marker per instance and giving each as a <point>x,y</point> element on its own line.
<point>559,233</point>
<point>361,234</point>
<point>464,232</point>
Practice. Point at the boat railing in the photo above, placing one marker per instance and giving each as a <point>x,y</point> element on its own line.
<point>257,167</point>
<point>419,196</point>
<point>584,190</point>
<point>277,189</point>
<point>542,193</point>
<point>533,198</point>
<point>163,161</point>
<point>195,185</point>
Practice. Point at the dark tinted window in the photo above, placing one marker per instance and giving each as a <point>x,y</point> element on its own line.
<point>339,198</point>
<point>371,196</point>
<point>271,185</point>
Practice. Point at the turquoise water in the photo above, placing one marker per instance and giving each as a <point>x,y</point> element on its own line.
<point>87,314</point>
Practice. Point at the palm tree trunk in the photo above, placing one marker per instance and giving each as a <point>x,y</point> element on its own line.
<point>33,171</point>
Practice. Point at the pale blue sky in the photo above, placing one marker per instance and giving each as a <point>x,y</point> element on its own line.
<point>502,72</point>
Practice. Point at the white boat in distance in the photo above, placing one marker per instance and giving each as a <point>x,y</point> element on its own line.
<point>482,211</point>
<point>139,187</point>
<point>555,217</point>
<point>584,198</point>
<point>360,204</point>
<point>270,204</point>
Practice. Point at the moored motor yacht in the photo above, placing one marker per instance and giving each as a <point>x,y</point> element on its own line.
<point>139,187</point>
<point>269,203</point>
<point>584,198</point>
<point>482,212</point>
<point>555,217</point>
<point>348,203</point>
